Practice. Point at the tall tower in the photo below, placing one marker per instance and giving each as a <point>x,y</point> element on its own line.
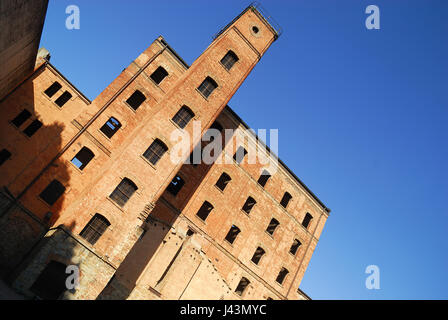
<point>97,191</point>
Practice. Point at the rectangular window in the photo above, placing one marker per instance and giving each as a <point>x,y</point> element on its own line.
<point>155,151</point>
<point>32,128</point>
<point>21,118</point>
<point>53,89</point>
<point>52,192</point>
<point>63,98</point>
<point>4,155</point>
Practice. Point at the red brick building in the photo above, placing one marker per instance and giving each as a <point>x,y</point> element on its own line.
<point>97,184</point>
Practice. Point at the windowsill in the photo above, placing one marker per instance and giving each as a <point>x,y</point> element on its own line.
<point>270,235</point>
<point>45,202</point>
<point>157,85</point>
<point>220,190</point>
<point>130,107</point>
<point>76,168</point>
<point>147,161</point>
<point>246,213</point>
<point>202,95</point>
<point>115,204</point>
<point>200,220</point>
<point>177,126</point>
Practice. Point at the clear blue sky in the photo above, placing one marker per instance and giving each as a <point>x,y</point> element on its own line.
<point>362,118</point>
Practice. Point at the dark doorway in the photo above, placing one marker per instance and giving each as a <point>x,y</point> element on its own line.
<point>51,282</point>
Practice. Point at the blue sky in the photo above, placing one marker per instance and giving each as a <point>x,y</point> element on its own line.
<point>361,116</point>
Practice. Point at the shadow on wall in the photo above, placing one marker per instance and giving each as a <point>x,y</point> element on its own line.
<point>30,137</point>
<point>141,258</point>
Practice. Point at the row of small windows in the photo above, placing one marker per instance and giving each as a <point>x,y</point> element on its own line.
<point>63,98</point>
<point>21,118</point>
<point>244,282</point>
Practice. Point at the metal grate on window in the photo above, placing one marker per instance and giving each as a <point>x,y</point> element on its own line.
<point>95,229</point>
<point>207,87</point>
<point>123,192</point>
<point>229,60</point>
<point>155,151</point>
<point>183,116</point>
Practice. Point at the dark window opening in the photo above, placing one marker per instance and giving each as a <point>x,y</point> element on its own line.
<point>82,158</point>
<point>95,228</point>
<point>255,29</point>
<point>229,60</point>
<point>159,75</point>
<point>32,128</point>
<point>123,192</point>
<point>285,200</point>
<point>155,151</point>
<point>258,255</point>
<point>190,232</point>
<point>210,131</point>
<point>63,98</point>
<point>51,90</point>
<point>207,87</point>
<point>249,204</point>
<point>176,184</point>
<point>282,275</point>
<point>110,127</point>
<point>21,118</point>
<point>4,155</point>
<point>50,284</point>
<point>205,210</point>
<point>52,192</point>
<point>306,221</point>
<point>223,180</point>
<point>295,246</point>
<point>239,155</point>
<point>136,99</point>
<point>232,234</point>
<point>269,298</point>
<point>272,226</point>
<point>183,116</point>
<point>242,285</point>
<point>264,177</point>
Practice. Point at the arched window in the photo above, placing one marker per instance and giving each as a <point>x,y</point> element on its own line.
<point>239,154</point>
<point>82,158</point>
<point>159,75</point>
<point>207,87</point>
<point>183,116</point>
<point>306,221</point>
<point>63,99</point>
<point>95,228</point>
<point>123,192</point>
<point>204,210</point>
<point>272,226</point>
<point>232,234</point>
<point>52,192</point>
<point>136,99</point>
<point>295,246</point>
<point>229,59</point>
<point>21,118</point>
<point>258,254</point>
<point>282,275</point>
<point>51,90</point>
<point>176,184</point>
<point>249,204</point>
<point>155,151</point>
<point>223,180</point>
<point>264,177</point>
<point>110,127</point>
<point>242,285</point>
<point>285,200</point>
<point>50,284</point>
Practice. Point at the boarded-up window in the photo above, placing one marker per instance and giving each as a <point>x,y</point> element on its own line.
<point>229,60</point>
<point>272,226</point>
<point>176,184</point>
<point>258,254</point>
<point>51,90</point>
<point>285,200</point>
<point>136,99</point>
<point>110,127</point>
<point>155,151</point>
<point>232,234</point>
<point>32,128</point>
<point>4,155</point>
<point>223,180</point>
<point>50,284</point>
<point>63,98</point>
<point>123,192</point>
<point>295,246</point>
<point>264,177</point>
<point>21,118</point>
<point>183,116</point>
<point>242,285</point>
<point>52,192</point>
<point>204,210</point>
<point>306,220</point>
<point>159,75</point>
<point>82,158</point>
<point>95,228</point>
<point>207,87</point>
<point>249,204</point>
<point>282,275</point>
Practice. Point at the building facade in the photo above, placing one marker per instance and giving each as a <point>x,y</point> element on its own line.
<point>101,185</point>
